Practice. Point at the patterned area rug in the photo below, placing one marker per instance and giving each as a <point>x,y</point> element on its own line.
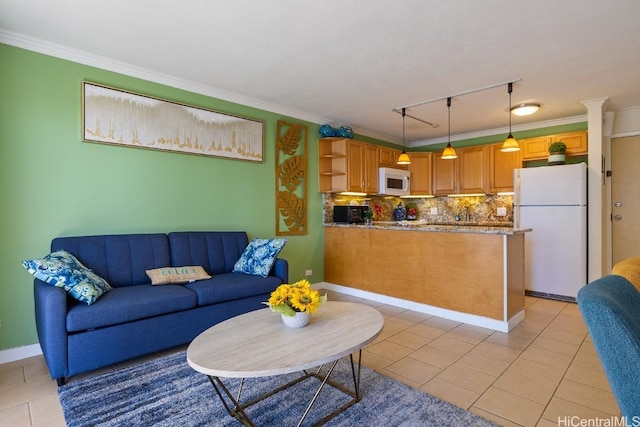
<point>168,392</point>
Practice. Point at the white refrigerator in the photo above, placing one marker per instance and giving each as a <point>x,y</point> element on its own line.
<point>552,201</point>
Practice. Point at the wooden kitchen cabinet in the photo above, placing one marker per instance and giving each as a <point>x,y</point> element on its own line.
<point>355,166</point>
<point>464,175</point>
<point>501,166</point>
<point>347,165</point>
<point>444,175</point>
<point>472,169</point>
<point>577,142</point>
<point>535,148</point>
<point>387,157</point>
<point>362,167</point>
<point>538,148</point>
<point>370,168</point>
<point>332,165</point>
<point>420,169</point>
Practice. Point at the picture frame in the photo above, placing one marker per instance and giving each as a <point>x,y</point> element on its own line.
<point>119,117</point>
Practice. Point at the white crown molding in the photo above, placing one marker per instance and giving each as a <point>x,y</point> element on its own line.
<point>629,110</point>
<point>504,130</point>
<point>87,58</point>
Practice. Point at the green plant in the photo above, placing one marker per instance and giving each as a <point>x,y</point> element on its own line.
<point>557,147</point>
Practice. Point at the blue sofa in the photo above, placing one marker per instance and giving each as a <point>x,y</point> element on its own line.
<point>136,318</point>
<point>610,307</point>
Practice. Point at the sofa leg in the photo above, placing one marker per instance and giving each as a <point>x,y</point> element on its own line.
<point>61,381</point>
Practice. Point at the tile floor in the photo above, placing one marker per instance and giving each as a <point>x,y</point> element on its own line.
<point>544,369</point>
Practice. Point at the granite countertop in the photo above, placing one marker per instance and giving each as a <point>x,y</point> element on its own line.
<point>449,227</point>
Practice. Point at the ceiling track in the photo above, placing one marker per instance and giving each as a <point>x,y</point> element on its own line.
<point>435,125</point>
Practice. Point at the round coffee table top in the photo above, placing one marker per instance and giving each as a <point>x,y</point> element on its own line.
<point>258,344</point>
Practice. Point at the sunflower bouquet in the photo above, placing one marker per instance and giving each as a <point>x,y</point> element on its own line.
<point>289,299</point>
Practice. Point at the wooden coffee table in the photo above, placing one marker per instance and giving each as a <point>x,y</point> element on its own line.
<point>258,344</point>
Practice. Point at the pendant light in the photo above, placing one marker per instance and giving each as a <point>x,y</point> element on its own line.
<point>403,158</point>
<point>449,152</point>
<point>510,144</point>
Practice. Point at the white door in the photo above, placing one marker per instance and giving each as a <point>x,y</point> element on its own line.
<point>625,188</point>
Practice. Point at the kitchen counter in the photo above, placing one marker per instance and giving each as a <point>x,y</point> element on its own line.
<point>457,227</point>
<point>469,273</point>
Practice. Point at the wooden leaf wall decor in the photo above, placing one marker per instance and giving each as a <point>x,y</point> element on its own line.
<point>293,171</point>
<point>291,179</point>
<point>289,142</point>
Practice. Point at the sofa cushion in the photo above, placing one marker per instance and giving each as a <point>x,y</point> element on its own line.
<point>259,256</point>
<point>232,286</point>
<point>216,251</point>
<point>186,274</point>
<point>122,260</point>
<point>130,303</point>
<point>63,270</point>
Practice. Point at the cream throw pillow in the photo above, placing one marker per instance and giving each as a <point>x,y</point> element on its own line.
<point>190,273</point>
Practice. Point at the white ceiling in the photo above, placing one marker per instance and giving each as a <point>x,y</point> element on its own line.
<point>351,62</point>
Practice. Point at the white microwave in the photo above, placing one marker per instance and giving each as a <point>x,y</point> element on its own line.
<point>394,182</point>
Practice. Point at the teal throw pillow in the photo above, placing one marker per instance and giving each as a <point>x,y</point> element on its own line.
<point>63,270</point>
<point>259,256</point>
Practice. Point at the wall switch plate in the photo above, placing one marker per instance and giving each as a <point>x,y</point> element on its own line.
<point>434,211</point>
<point>502,211</point>
<point>308,272</point>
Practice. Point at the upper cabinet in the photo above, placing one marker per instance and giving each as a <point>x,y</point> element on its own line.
<point>464,175</point>
<point>577,142</point>
<point>444,175</point>
<point>537,148</point>
<point>420,169</point>
<point>352,165</point>
<point>388,157</point>
<point>473,163</point>
<point>332,165</point>
<point>369,168</point>
<point>501,166</point>
<point>347,165</point>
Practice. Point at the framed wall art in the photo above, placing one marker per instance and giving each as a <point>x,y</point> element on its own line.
<point>114,116</point>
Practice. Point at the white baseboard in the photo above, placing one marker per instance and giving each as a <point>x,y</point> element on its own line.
<point>472,319</point>
<point>19,353</point>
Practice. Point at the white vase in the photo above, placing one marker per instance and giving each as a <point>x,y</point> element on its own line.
<point>556,159</point>
<point>297,321</point>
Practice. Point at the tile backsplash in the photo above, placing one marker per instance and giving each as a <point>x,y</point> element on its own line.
<point>475,209</point>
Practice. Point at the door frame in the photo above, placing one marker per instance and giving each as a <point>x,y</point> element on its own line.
<point>609,195</point>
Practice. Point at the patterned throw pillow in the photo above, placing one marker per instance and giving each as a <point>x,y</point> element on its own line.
<point>259,256</point>
<point>63,270</point>
<point>187,274</point>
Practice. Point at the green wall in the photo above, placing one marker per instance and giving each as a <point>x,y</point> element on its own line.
<point>53,184</point>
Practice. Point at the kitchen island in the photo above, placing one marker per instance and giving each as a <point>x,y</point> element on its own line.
<point>469,273</point>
